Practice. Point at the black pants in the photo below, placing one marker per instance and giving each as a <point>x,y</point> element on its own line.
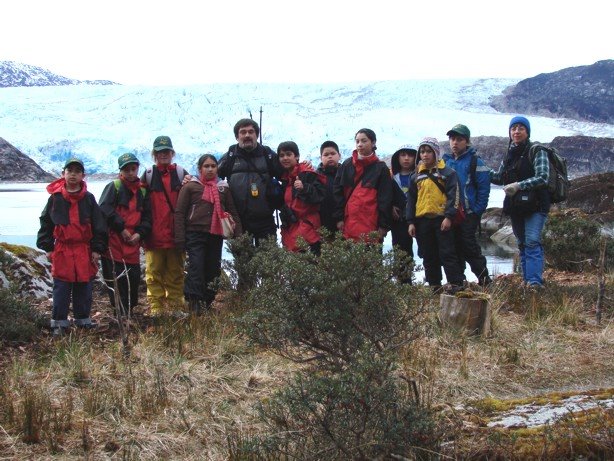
<point>204,252</point>
<point>402,240</point>
<point>260,229</point>
<point>128,281</point>
<point>468,249</point>
<point>437,249</point>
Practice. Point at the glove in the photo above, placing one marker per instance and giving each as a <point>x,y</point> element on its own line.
<point>511,189</point>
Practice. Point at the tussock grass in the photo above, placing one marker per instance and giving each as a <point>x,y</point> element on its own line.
<point>189,388</point>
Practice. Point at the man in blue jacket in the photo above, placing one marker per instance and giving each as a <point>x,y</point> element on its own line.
<point>474,181</point>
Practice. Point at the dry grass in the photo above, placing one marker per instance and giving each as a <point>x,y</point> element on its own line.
<point>188,387</point>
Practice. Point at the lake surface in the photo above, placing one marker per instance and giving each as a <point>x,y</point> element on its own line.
<point>22,204</point>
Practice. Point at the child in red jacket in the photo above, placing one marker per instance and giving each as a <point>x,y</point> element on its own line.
<point>304,190</point>
<point>126,207</point>
<point>74,235</point>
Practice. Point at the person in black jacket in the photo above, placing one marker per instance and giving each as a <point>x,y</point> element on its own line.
<point>403,165</point>
<point>250,168</point>
<point>329,165</point>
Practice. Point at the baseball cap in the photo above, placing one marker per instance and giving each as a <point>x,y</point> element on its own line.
<point>162,143</point>
<point>126,159</point>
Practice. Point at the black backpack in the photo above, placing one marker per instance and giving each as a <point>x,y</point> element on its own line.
<point>558,181</point>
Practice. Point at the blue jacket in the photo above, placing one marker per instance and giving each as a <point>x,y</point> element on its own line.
<point>475,195</point>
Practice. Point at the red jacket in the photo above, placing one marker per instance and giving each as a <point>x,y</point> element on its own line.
<point>304,204</point>
<point>72,226</point>
<point>125,207</point>
<point>163,213</point>
<point>363,197</point>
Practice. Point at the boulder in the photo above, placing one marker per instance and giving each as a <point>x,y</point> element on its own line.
<point>26,270</point>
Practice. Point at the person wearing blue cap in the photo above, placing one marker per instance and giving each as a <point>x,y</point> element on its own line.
<point>527,200</point>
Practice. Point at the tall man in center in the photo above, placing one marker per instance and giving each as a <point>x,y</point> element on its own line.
<point>249,166</point>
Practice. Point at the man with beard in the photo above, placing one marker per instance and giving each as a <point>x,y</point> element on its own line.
<point>249,168</point>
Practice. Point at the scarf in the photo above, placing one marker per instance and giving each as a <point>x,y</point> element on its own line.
<point>360,163</point>
<point>211,194</point>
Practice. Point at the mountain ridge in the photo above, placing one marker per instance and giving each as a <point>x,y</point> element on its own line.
<point>15,74</point>
<point>582,93</point>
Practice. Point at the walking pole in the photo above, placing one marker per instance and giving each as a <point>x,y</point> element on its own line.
<point>261,125</point>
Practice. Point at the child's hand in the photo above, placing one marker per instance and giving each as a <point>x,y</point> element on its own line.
<point>411,230</point>
<point>126,235</point>
<point>446,224</point>
<point>134,239</point>
<point>298,184</point>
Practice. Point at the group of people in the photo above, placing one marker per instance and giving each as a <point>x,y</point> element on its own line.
<point>436,199</point>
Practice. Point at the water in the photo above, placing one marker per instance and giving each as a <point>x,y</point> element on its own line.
<point>22,204</point>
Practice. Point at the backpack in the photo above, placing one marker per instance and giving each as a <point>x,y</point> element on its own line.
<point>558,181</point>
<point>117,183</point>
<point>149,173</point>
<point>274,187</point>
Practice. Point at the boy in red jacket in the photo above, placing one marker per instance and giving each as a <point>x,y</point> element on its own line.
<point>304,190</point>
<point>74,235</point>
<point>126,207</point>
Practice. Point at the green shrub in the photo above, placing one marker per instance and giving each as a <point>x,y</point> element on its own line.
<point>19,321</point>
<point>331,309</point>
<point>572,243</point>
<point>360,413</point>
<point>345,316</point>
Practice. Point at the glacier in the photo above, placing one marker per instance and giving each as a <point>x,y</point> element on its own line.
<point>98,123</point>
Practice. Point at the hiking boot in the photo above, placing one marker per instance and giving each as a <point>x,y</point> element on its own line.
<point>484,282</point>
<point>195,306</point>
<point>436,289</point>
<point>179,315</point>
<point>58,332</point>
<point>453,289</point>
<point>88,326</point>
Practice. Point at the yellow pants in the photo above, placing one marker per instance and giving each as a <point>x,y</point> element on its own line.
<point>164,274</point>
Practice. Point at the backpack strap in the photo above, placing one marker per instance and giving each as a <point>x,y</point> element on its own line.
<point>437,183</point>
<point>181,173</point>
<point>473,166</point>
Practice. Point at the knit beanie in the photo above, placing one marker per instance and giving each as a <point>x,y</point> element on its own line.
<point>433,144</point>
<point>523,121</point>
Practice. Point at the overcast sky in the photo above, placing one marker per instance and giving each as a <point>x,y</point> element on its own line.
<point>195,41</point>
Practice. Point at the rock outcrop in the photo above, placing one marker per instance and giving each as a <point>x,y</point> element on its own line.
<point>18,167</point>
<point>25,270</point>
<point>581,93</point>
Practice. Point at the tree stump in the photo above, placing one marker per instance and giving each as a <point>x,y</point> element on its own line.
<point>471,315</point>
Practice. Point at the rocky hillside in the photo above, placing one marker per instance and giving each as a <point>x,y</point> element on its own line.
<point>585,154</point>
<point>582,93</point>
<point>18,167</point>
<point>18,74</point>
